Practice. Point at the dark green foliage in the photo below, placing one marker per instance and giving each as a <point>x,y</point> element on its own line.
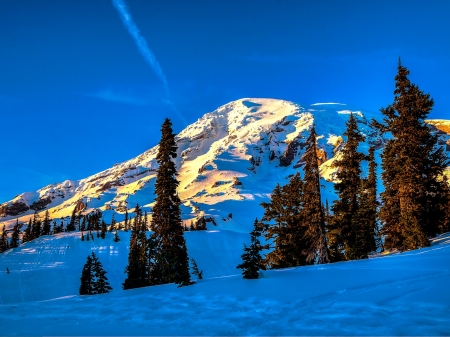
<point>15,236</point>
<point>195,270</point>
<point>415,196</point>
<point>4,245</point>
<point>367,216</point>
<point>344,234</point>
<point>46,228</point>
<point>313,217</point>
<point>252,262</point>
<point>36,229</point>
<point>93,277</point>
<point>171,263</point>
<point>87,277</point>
<point>83,224</point>
<point>138,259</point>
<point>74,221</point>
<point>100,284</point>
<point>27,233</point>
<point>285,232</point>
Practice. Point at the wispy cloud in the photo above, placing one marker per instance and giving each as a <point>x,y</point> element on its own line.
<point>121,97</point>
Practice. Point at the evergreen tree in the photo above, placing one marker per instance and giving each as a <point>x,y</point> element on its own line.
<point>83,224</point>
<point>287,233</point>
<point>171,260</point>
<point>136,269</point>
<point>195,270</point>
<point>4,245</point>
<point>367,215</point>
<point>87,278</point>
<point>252,261</point>
<point>100,284</point>
<point>46,224</point>
<point>93,277</point>
<point>313,217</point>
<point>36,229</point>
<point>27,233</point>
<point>74,220</point>
<point>413,166</point>
<point>15,235</point>
<point>345,233</point>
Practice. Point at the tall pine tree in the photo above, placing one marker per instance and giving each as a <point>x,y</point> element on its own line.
<point>171,262</point>
<point>367,216</point>
<point>344,235</point>
<point>313,217</point>
<point>15,235</point>
<point>413,166</point>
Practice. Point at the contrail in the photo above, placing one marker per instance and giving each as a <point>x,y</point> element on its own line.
<point>145,51</point>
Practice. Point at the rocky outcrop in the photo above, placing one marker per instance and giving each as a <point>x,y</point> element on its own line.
<point>13,208</point>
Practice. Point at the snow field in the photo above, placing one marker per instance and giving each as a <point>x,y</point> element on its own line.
<point>399,294</point>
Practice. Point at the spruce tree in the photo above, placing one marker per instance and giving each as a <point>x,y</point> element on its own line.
<point>100,284</point>
<point>367,216</point>
<point>283,226</point>
<point>252,262</point>
<point>46,224</point>
<point>15,236</point>
<point>36,229</point>
<point>27,233</point>
<point>87,277</point>
<point>313,217</point>
<point>93,277</point>
<point>74,220</point>
<point>4,245</point>
<point>413,166</point>
<point>136,269</point>
<point>171,259</point>
<point>345,232</point>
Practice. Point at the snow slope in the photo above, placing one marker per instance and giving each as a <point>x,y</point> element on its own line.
<point>400,294</point>
<point>228,162</point>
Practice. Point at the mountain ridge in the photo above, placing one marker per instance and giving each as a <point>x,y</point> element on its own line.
<point>235,153</point>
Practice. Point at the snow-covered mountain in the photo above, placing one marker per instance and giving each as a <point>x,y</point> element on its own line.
<point>228,162</point>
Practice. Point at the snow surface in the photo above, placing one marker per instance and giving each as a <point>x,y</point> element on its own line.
<point>229,161</point>
<point>398,294</point>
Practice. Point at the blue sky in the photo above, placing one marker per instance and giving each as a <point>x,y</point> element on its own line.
<point>77,96</point>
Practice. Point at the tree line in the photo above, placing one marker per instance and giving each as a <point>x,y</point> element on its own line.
<point>414,206</point>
